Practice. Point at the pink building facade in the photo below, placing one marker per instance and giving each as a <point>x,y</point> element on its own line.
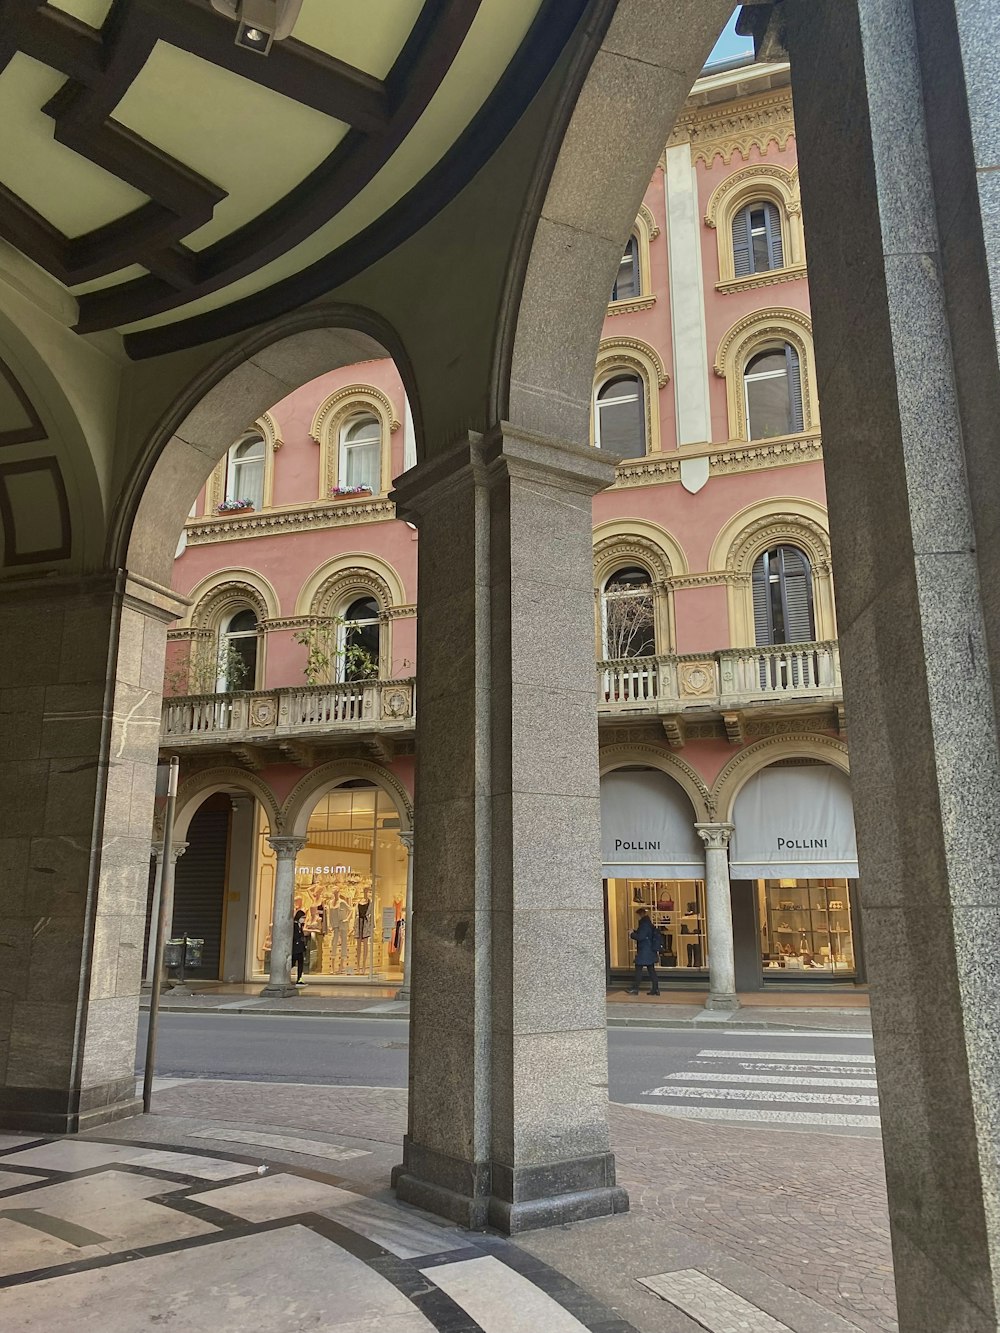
<point>726,808</point>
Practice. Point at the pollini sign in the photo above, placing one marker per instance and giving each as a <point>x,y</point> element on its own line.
<point>624,845</point>
<point>801,844</point>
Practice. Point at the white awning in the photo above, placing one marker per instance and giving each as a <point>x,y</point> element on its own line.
<point>647,827</point>
<point>794,823</point>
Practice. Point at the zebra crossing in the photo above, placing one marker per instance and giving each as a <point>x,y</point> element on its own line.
<point>800,1088</point>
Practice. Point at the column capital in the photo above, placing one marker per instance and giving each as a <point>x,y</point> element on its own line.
<point>177,850</point>
<point>406,838</point>
<point>286,848</point>
<point>504,451</point>
<point>715,836</point>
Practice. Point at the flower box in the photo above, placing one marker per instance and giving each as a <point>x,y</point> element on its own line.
<point>346,492</point>
<point>234,507</point>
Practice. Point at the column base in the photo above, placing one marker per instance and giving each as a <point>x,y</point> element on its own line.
<point>62,1111</point>
<point>277,990</point>
<point>403,993</point>
<point>509,1199</point>
<point>723,1002</point>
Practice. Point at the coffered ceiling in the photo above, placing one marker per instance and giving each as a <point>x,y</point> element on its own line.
<point>160,173</point>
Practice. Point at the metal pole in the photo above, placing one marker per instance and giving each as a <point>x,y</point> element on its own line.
<point>163,922</point>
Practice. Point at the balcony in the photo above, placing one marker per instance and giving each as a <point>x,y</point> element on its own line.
<point>726,685</point>
<point>298,723</point>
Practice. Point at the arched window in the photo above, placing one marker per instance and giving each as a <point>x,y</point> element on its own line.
<point>628,283</point>
<point>361,454</point>
<point>245,472</point>
<point>238,652</point>
<point>627,615</point>
<point>620,416</point>
<point>772,385</point>
<point>360,641</point>
<point>757,243</point>
<point>783,597</point>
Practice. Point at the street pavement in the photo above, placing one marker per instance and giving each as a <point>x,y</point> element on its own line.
<point>793,1079</point>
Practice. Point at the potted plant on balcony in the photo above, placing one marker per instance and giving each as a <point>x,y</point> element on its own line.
<point>234,507</point>
<point>327,648</point>
<point>346,492</point>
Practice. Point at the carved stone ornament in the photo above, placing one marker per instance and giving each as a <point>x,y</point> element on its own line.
<point>697,678</point>
<point>263,711</point>
<point>397,702</point>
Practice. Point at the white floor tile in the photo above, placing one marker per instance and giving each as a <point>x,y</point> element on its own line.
<point>500,1300</point>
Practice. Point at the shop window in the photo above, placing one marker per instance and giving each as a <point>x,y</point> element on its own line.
<point>245,472</point>
<point>783,597</point>
<point>360,641</point>
<point>628,283</point>
<point>677,910</point>
<point>805,926</point>
<point>627,615</point>
<point>757,243</point>
<point>350,880</point>
<point>361,454</point>
<point>772,385</point>
<point>620,416</point>
<point>238,639</point>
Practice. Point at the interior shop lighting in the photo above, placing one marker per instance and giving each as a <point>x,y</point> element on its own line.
<point>260,22</point>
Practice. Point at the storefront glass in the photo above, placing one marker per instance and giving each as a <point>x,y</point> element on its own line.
<point>677,908</point>
<point>805,925</point>
<point>350,880</point>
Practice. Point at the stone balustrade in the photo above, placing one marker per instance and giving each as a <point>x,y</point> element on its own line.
<point>261,715</point>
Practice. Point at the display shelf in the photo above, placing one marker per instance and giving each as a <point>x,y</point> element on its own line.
<point>803,928</point>
<point>684,931</point>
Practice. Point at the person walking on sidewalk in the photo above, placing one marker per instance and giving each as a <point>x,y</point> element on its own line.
<point>648,943</point>
<point>300,938</point>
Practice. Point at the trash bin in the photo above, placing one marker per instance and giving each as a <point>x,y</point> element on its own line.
<point>173,954</point>
<point>193,951</point>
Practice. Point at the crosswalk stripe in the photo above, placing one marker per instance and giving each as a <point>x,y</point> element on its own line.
<point>754,1095</point>
<point>784,1056</point>
<point>784,1080</point>
<point>817,1118</point>
<point>755,1066</point>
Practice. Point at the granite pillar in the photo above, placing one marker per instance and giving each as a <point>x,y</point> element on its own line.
<point>719,909</point>
<point>406,838</point>
<point>79,731</point>
<point>279,983</point>
<point>896,111</point>
<point>508,1051</point>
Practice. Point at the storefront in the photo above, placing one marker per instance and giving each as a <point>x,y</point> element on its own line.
<point>794,845</point>
<point>652,858</point>
<point>350,880</point>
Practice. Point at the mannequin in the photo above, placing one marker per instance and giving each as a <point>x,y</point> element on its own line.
<point>338,915</point>
<point>364,930</point>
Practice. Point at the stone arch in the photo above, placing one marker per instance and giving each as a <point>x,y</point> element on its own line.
<point>193,433</point>
<point>199,786</point>
<point>303,796</point>
<point>214,594</point>
<point>335,578</point>
<point>754,333</point>
<point>761,181</point>
<point>760,755</point>
<point>334,413</point>
<point>792,519</point>
<point>652,756</point>
<point>644,63</point>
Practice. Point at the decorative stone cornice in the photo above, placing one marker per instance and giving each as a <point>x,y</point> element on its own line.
<point>767,279</point>
<point>754,456</point>
<point>401,612</point>
<point>736,127</point>
<point>763,323</point>
<point>355,395</point>
<point>288,622</point>
<point>710,580</point>
<point>296,518</point>
<point>646,216</point>
<point>615,351</point>
<point>627,306</point>
<point>188,635</point>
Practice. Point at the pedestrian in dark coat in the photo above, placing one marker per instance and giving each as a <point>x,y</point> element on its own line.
<point>648,942</point>
<point>300,939</point>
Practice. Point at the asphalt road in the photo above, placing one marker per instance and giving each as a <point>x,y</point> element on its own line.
<point>792,1080</point>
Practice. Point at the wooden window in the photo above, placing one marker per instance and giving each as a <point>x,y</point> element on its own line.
<point>757,243</point>
<point>783,597</point>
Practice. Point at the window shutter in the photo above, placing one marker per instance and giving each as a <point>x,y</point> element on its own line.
<point>741,243</point>
<point>774,235</point>
<point>797,589</point>
<point>795,413</point>
<point>761,616</point>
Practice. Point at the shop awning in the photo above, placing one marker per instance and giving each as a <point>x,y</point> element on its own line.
<point>794,823</point>
<point>647,827</point>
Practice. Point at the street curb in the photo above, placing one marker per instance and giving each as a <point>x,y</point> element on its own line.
<point>674,1024</point>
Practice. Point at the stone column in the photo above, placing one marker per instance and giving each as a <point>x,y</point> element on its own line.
<point>279,982</point>
<point>80,727</point>
<point>896,111</point>
<point>406,838</point>
<point>162,882</point>
<point>508,1048</point>
<point>719,909</point>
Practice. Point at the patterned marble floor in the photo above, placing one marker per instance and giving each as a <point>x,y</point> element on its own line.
<point>116,1237</point>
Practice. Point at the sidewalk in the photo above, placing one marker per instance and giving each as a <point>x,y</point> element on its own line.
<point>764,1011</point>
<point>238,1205</point>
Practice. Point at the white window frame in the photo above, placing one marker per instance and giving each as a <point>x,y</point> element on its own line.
<point>640,395</point>
<point>235,465</point>
<point>344,447</point>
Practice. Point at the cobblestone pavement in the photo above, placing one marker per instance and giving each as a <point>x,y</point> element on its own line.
<point>794,1223</point>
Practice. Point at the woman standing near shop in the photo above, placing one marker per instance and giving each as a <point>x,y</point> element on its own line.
<point>300,938</point>
<point>648,942</point>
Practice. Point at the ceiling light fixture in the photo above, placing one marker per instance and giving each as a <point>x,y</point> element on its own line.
<point>260,22</point>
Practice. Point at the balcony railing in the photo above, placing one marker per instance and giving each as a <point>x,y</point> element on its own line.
<point>259,715</point>
<point>731,679</point>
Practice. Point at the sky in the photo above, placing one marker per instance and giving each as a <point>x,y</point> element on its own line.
<point>729,45</point>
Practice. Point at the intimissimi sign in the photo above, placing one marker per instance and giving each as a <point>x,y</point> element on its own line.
<point>794,823</point>
<point>647,827</point>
